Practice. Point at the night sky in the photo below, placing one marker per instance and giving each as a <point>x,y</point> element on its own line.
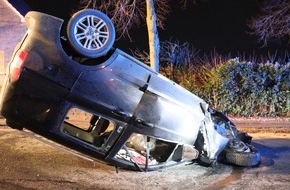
<point>214,24</point>
<point>219,24</point>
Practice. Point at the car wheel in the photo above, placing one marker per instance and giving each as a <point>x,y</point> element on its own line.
<point>241,155</point>
<point>91,33</point>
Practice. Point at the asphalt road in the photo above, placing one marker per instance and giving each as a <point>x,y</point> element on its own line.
<point>29,163</point>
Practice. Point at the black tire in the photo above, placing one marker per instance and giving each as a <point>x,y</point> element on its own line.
<point>230,156</point>
<point>90,33</point>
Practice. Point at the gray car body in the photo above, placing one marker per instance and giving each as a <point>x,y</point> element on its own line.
<point>121,89</point>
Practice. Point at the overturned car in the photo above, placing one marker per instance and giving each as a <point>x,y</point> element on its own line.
<point>68,84</point>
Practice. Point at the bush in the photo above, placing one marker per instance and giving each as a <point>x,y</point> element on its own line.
<point>238,88</point>
<point>234,87</point>
<point>257,89</point>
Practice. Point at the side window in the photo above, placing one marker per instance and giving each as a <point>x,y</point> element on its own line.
<point>87,127</point>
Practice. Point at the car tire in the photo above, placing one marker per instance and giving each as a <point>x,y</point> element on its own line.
<point>233,157</point>
<point>90,33</point>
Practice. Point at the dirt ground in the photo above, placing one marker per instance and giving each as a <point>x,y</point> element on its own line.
<point>29,163</point>
<point>273,171</point>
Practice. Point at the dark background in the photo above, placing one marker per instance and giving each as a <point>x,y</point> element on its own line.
<point>219,25</point>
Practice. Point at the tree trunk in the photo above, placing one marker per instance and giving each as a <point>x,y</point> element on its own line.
<point>154,46</point>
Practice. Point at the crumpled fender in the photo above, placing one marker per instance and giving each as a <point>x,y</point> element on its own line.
<point>214,143</point>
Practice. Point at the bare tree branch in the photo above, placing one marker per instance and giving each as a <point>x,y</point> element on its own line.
<point>128,13</point>
<point>185,4</point>
<point>176,53</point>
<point>273,22</point>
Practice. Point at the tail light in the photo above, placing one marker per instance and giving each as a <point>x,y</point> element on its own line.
<point>17,64</point>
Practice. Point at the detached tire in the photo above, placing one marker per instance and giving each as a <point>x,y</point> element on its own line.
<point>230,156</point>
<point>90,33</point>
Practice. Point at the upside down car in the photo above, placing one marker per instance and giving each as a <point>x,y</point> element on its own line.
<point>133,117</point>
